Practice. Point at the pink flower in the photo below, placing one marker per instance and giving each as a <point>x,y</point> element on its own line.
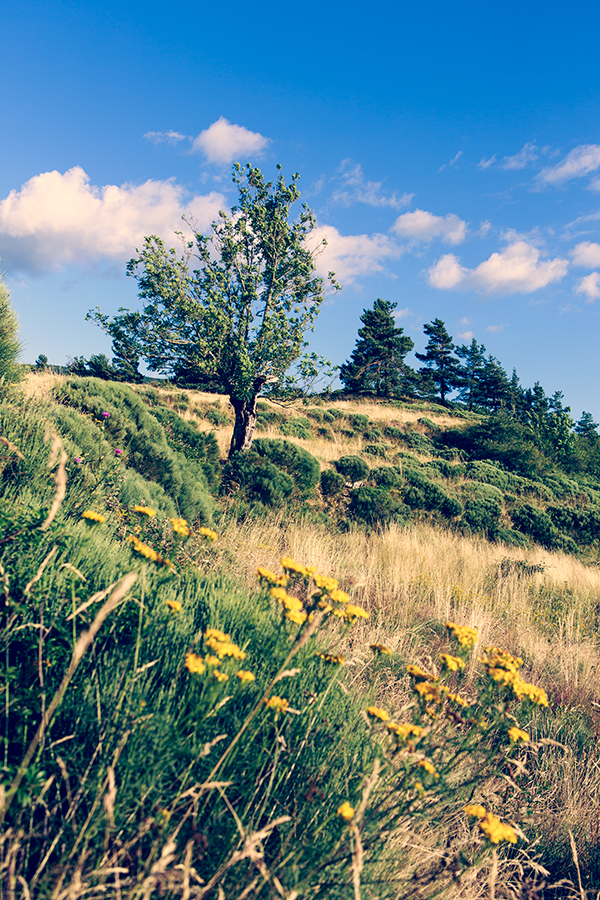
<point>77,459</point>
<point>106,415</point>
<point>118,452</point>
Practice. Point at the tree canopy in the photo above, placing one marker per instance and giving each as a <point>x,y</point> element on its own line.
<point>237,321</point>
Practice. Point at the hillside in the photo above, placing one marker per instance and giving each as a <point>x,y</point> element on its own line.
<point>400,505</point>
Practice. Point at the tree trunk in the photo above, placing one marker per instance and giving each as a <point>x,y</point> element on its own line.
<point>245,421</point>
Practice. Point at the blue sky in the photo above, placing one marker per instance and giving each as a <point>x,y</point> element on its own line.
<point>451,154</point>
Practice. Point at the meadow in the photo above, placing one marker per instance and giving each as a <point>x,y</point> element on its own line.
<point>238,680</point>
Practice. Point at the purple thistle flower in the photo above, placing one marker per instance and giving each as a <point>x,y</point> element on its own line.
<point>118,452</point>
<point>77,459</point>
<point>106,415</point>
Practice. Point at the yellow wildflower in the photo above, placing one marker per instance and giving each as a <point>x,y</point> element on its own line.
<point>195,664</point>
<point>211,660</point>
<point>418,674</point>
<point>404,731</point>
<point>224,648</point>
<point>145,510</point>
<point>180,526</point>
<point>93,516</point>
<point>464,634</point>
<point>352,612</point>
<point>346,811</point>
<point>144,549</point>
<point>429,767</point>
<point>298,617</point>
<point>218,635</point>
<point>429,692</point>
<point>458,700</point>
<point>264,574</point>
<point>376,713</point>
<point>452,663</point>
<point>496,830</point>
<point>475,810</point>
<point>220,676</point>
<point>278,704</point>
<point>516,734</point>
<point>326,607</point>
<point>325,584</point>
<point>208,533</point>
<point>532,693</point>
<point>175,605</point>
<point>245,676</point>
<point>290,565</point>
<point>380,649</point>
<point>339,596</point>
<point>494,658</point>
<point>332,659</point>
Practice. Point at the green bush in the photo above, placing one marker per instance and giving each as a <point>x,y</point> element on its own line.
<point>376,506</point>
<point>387,477</point>
<point>353,468</point>
<point>254,477</point>
<point>359,422</point>
<point>297,462</point>
<point>200,446</point>
<point>392,431</point>
<point>217,416</point>
<point>377,450</point>
<point>483,506</point>
<point>332,483</point>
<point>10,345</point>
<point>420,442</point>
<point>537,524</point>
<point>428,423</point>
<point>298,427</point>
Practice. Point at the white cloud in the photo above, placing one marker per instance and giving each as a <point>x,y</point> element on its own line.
<point>528,154</point>
<point>464,321</point>
<point>580,161</point>
<point>452,161</point>
<point>357,190</point>
<point>590,286</point>
<point>496,329</point>
<point>424,226</point>
<point>353,255</point>
<point>58,219</point>
<point>466,335</point>
<point>486,163</point>
<point>402,313</point>
<point>223,142</point>
<point>165,137</point>
<point>516,270</point>
<point>586,254</point>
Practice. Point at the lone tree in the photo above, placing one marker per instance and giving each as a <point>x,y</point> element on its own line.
<point>441,366</point>
<point>238,321</point>
<point>377,365</point>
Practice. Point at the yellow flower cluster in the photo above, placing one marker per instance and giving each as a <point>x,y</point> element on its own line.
<point>195,664</point>
<point>92,516</point>
<point>418,674</point>
<point>145,510</point>
<point>464,634</point>
<point>269,577</point>
<point>245,676</point>
<point>222,644</point>
<point>277,704</point>
<point>175,605</point>
<point>294,610</point>
<point>332,659</point>
<point>404,731</point>
<point>452,663</point>
<point>380,649</point>
<point>297,569</point>
<point>346,811</point>
<point>492,827</point>
<point>516,734</point>
<point>208,533</point>
<point>145,550</point>
<point>503,668</point>
<point>181,527</point>
<point>429,767</point>
<point>376,713</point>
<point>328,597</point>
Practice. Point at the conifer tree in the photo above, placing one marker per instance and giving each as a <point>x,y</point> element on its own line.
<point>10,346</point>
<point>377,365</point>
<point>441,366</point>
<point>473,357</point>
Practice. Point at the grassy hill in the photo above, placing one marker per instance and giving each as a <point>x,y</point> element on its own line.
<point>161,770</point>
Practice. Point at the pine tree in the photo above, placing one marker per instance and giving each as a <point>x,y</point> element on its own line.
<point>441,366</point>
<point>377,365</point>
<point>493,389</point>
<point>473,356</point>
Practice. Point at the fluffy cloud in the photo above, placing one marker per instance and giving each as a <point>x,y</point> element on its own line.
<point>165,137</point>
<point>57,219</point>
<point>223,142</point>
<point>516,270</point>
<point>486,163</point>
<point>590,286</point>
<point>523,158</point>
<point>356,189</point>
<point>424,226</point>
<point>352,255</point>
<point>586,255</point>
<point>580,161</point>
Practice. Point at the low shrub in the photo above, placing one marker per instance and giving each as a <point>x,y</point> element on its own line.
<point>376,506</point>
<point>297,462</point>
<point>483,507</point>
<point>332,483</point>
<point>537,524</point>
<point>254,477</point>
<point>387,477</point>
<point>298,427</point>
<point>359,422</point>
<point>353,468</point>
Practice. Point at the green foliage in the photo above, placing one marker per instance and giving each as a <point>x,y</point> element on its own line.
<point>353,468</point>
<point>10,345</point>
<point>198,446</point>
<point>387,477</point>
<point>297,462</point>
<point>254,477</point>
<point>483,507</point>
<point>298,427</point>
<point>124,421</point>
<point>374,505</point>
<point>332,483</point>
<point>503,439</point>
<point>536,523</point>
<point>377,449</point>
<point>441,366</point>
<point>216,416</point>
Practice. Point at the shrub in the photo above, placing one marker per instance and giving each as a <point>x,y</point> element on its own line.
<point>392,431</point>
<point>353,468</point>
<point>377,450</point>
<point>537,524</point>
<point>298,427</point>
<point>483,507</point>
<point>374,506</point>
<point>256,478</point>
<point>217,416</point>
<point>332,483</point>
<point>10,345</point>
<point>359,422</point>
<point>420,442</point>
<point>335,413</point>
<point>387,477</point>
<point>428,423</point>
<point>199,446</point>
<point>299,464</point>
